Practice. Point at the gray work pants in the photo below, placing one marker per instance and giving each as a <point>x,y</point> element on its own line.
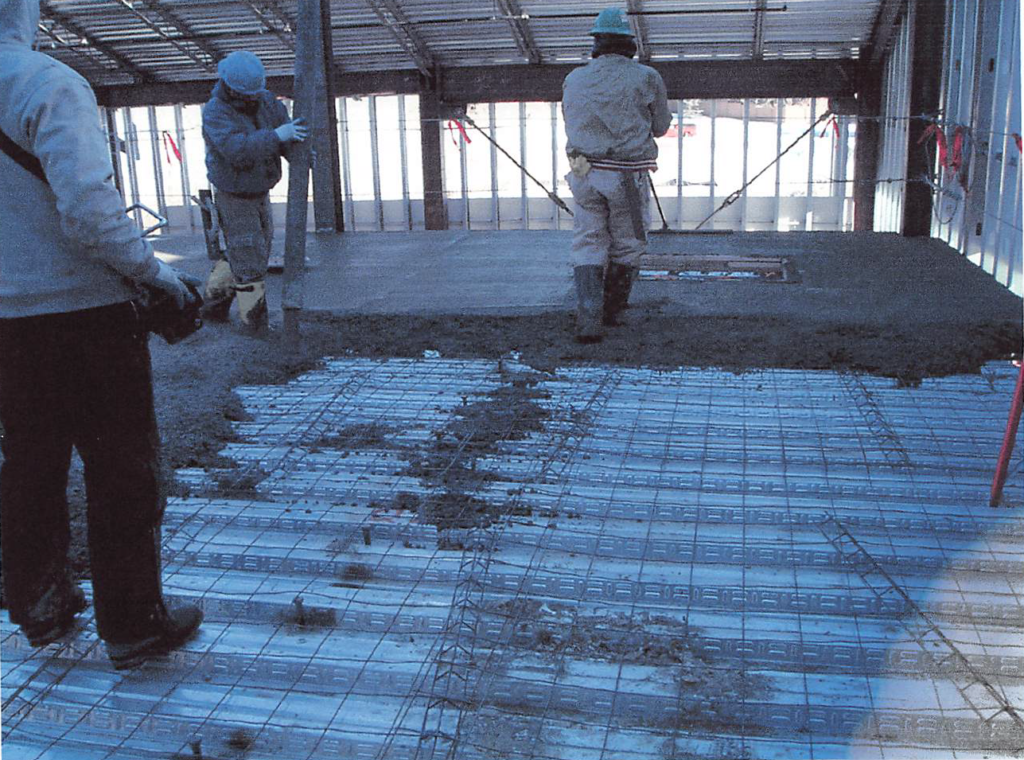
<point>248,232</point>
<point>603,228</point>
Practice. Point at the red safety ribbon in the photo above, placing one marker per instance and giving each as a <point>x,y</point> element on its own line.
<point>835,127</point>
<point>1016,139</point>
<point>957,159</point>
<point>940,140</point>
<point>174,147</point>
<point>462,131</point>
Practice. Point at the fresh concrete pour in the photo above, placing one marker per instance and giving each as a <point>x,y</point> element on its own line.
<point>633,536</point>
<point>654,581</point>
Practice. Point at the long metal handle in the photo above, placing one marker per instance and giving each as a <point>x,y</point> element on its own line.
<point>161,222</point>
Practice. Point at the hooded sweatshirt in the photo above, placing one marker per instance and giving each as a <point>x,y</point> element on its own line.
<point>243,155</point>
<point>614,107</point>
<point>68,245</point>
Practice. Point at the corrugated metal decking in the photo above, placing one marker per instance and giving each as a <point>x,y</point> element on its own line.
<point>657,582</point>
<point>114,42</point>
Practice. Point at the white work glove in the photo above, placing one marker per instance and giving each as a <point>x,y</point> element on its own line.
<point>292,131</point>
<point>174,283</point>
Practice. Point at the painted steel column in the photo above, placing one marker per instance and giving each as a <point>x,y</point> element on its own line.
<point>679,172</point>
<point>928,36</point>
<point>434,212</point>
<point>308,57</point>
<point>495,205</point>
<point>404,155</point>
<point>556,216</point>
<point>158,169</point>
<point>130,145</point>
<point>110,116</point>
<point>865,154</point>
<point>809,206</point>
<point>186,185</point>
<point>780,107</point>
<point>378,203</point>
<point>524,198</point>
<point>346,169</point>
<point>711,175</point>
<point>746,161</point>
<point>327,210</point>
<point>464,180</point>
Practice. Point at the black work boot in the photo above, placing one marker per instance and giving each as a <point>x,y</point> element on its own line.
<point>54,615</point>
<point>618,282</point>
<point>589,302</point>
<point>170,628</point>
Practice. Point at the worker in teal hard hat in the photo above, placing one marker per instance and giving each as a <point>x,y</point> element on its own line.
<point>247,130</point>
<point>614,107</point>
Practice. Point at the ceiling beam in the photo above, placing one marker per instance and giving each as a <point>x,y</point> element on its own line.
<point>758,49</point>
<point>283,27</point>
<point>520,25</point>
<point>883,31</point>
<point>635,11</point>
<point>395,21</point>
<point>122,62</point>
<point>543,82</point>
<point>211,55</point>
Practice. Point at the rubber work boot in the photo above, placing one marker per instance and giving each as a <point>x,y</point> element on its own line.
<point>618,282</point>
<point>252,306</point>
<point>171,629</point>
<point>220,292</point>
<point>54,614</point>
<point>589,302</point>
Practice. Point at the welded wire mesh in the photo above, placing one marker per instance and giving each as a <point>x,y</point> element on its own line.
<point>648,576</point>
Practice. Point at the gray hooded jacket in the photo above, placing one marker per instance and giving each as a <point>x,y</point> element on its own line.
<point>68,245</point>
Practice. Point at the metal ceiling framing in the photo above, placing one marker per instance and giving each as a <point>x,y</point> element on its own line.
<point>393,17</point>
<point>181,40</point>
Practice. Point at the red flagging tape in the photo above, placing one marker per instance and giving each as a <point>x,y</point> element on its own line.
<point>1008,440</point>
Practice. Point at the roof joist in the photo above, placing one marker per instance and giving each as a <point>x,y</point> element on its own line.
<point>760,10</point>
<point>394,19</point>
<point>886,24</point>
<point>520,27</point>
<point>274,20</point>
<point>47,11</point>
<point>635,11</point>
<point>185,40</point>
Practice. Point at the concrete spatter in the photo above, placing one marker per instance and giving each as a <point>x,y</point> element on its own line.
<point>371,435</point>
<point>506,413</point>
<point>559,632</point>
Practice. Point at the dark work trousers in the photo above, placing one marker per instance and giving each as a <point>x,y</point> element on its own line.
<point>81,379</point>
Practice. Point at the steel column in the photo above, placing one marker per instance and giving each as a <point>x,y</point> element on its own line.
<point>524,198</point>
<point>780,107</point>
<point>928,34</point>
<point>746,160</point>
<point>346,168</point>
<point>679,171</point>
<point>809,208</point>
<point>378,203</point>
<point>131,146</point>
<point>186,185</point>
<point>556,214</point>
<point>404,155</point>
<point>434,211</point>
<point>158,169</point>
<point>495,205</point>
<point>110,119</point>
<point>328,215</point>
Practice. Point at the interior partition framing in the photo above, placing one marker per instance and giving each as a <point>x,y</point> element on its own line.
<point>713,147</point>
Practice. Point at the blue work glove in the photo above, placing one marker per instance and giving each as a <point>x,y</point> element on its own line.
<point>292,131</point>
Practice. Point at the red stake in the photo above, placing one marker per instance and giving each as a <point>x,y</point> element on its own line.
<point>1008,440</point>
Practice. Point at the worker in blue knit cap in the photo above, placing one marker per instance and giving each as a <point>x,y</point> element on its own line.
<point>614,107</point>
<point>247,130</point>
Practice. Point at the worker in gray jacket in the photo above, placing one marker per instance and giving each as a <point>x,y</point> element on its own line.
<point>614,107</point>
<point>246,130</point>
<point>74,364</point>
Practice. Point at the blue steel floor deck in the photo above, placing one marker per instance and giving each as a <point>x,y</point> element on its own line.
<point>665,588</point>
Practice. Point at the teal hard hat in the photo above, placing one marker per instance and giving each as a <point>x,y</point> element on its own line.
<point>243,72</point>
<point>612,21</point>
